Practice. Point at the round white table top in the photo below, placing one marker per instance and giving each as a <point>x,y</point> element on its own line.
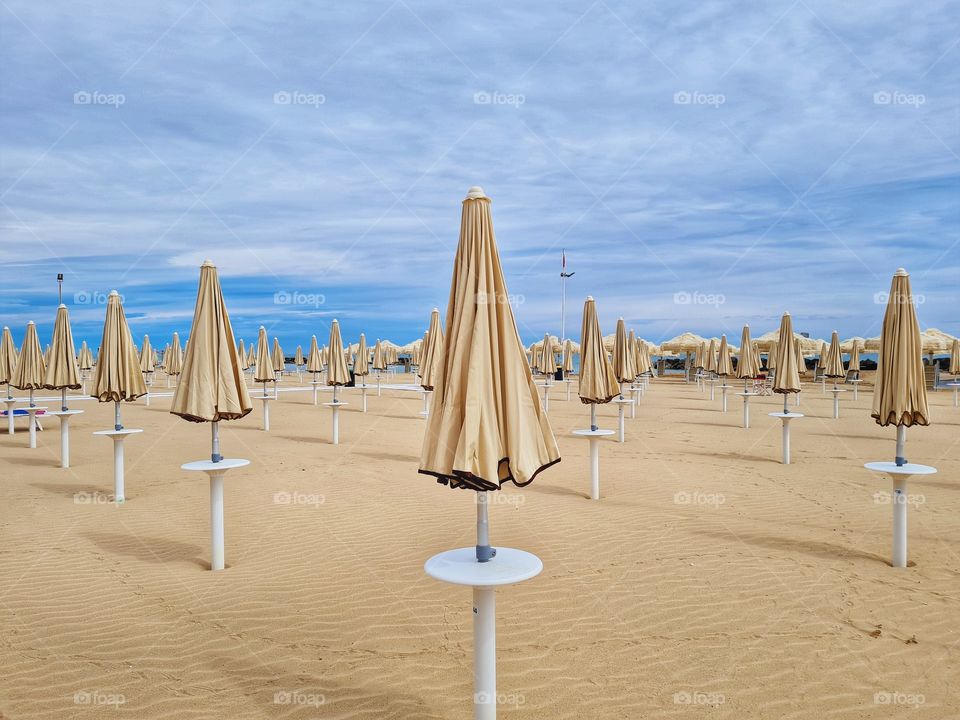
<point>786,416</point>
<point>64,412</point>
<point>118,433</point>
<point>338,403</point>
<point>747,394</point>
<point>460,567</point>
<point>207,465</point>
<point>623,401</point>
<point>891,468</point>
<point>600,432</point>
<point>836,390</point>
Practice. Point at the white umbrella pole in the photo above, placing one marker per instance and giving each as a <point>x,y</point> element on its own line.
<point>117,425</point>
<point>216,520</point>
<point>118,490</point>
<point>378,383</point>
<point>484,653</point>
<point>215,455</point>
<point>899,519</point>
<point>746,410</point>
<point>32,403</point>
<point>593,416</point>
<point>901,443</point>
<point>63,398</point>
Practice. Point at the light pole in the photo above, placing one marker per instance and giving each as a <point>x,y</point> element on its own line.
<point>563,295</point>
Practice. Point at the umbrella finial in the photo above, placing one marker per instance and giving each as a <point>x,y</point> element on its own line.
<point>475,193</point>
<point>901,273</point>
<point>207,263</point>
<point>114,292</point>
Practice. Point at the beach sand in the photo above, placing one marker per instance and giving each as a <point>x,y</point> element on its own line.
<point>709,581</point>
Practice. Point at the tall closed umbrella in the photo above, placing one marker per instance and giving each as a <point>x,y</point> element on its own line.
<point>8,358</point>
<point>146,356</point>
<point>772,356</point>
<point>85,359</point>
<point>242,355</point>
<point>61,372</point>
<point>263,366</point>
<point>279,360</point>
<point>487,429</point>
<point>432,352</point>
<point>314,361</point>
<point>568,356</point>
<point>900,398</point>
<point>379,357</point>
<point>337,373</point>
<point>173,361</point>
<point>724,364</point>
<point>28,374</point>
<point>118,375</point>
<point>748,364</point>
<point>298,356</point>
<point>252,355</point>
<point>361,363</point>
<point>854,362</point>
<point>546,363</point>
<point>212,389</point>
<point>623,361</point>
<point>787,380</point>
<point>955,357</point>
<point>833,368</point>
<point>598,382</point>
<point>710,361</point>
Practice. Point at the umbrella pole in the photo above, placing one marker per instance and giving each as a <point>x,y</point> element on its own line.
<point>116,416</point>
<point>485,553</point>
<point>63,399</point>
<point>215,455</point>
<point>901,442</point>
<point>32,403</point>
<point>484,653</point>
<point>593,417</point>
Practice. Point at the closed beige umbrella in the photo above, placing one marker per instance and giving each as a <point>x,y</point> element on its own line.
<point>211,388</point>
<point>263,367</point>
<point>598,381</point>
<point>61,372</point>
<point>252,356</point>
<point>854,363</point>
<point>118,376</point>
<point>724,365</point>
<point>85,360</point>
<point>955,357</point>
<point>361,363</point>
<point>278,358</point>
<point>801,362</point>
<point>298,357</point>
<point>46,355</point>
<point>833,366</point>
<point>146,356</point>
<point>379,357</point>
<point>314,360</point>
<point>547,364</point>
<point>900,395</point>
<point>242,355</point>
<point>8,359</point>
<point>772,356</point>
<point>700,359</point>
<point>488,427</point>
<point>787,379</point>
<point>174,365</point>
<point>433,352</point>
<point>748,364</point>
<point>29,371</point>
<point>337,373</point>
<point>623,362</point>
<point>821,360</point>
<point>710,361</point>
<point>568,357</point>
<point>644,366</point>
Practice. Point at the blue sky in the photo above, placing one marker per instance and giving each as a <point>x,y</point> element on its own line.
<point>705,164</point>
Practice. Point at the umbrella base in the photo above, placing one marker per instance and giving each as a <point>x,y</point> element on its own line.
<point>215,471</point>
<point>118,436</point>
<point>785,418</point>
<point>65,416</point>
<point>594,437</point>
<point>899,474</point>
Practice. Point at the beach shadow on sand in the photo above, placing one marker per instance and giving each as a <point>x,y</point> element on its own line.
<point>547,489</point>
<point>148,549</point>
<point>825,550</point>
<point>388,456</point>
<point>71,490</point>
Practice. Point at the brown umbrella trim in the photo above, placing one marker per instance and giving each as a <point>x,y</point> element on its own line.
<point>459,479</point>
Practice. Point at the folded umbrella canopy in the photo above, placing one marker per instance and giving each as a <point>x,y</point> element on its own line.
<point>488,426</point>
<point>598,382</point>
<point>298,357</point>
<point>278,358</point>
<point>252,356</point>
<point>314,360</point>
<point>748,364</point>
<point>242,355</point>
<point>724,364</point>
<point>85,358</point>
<point>263,367</point>
<point>118,374</point>
<point>433,342</point>
<point>173,361</point>
<point>61,372</point>
<point>644,366</point>
<point>379,357</point>
<point>772,355</point>
<point>623,362</point>
<point>146,356</point>
<point>787,379</point>
<point>854,363</point>
<point>833,366</point>
<point>361,363</point>
<point>337,373</point>
<point>955,357</point>
<point>8,358</point>
<point>700,359</point>
<point>546,362</point>
<point>29,371</point>
<point>568,356</point>
<point>900,395</point>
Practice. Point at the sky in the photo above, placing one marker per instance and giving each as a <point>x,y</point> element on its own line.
<point>703,164</point>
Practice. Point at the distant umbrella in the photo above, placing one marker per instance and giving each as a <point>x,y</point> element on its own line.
<point>955,357</point>
<point>146,356</point>
<point>314,361</point>
<point>8,358</point>
<point>598,381</point>
<point>61,372</point>
<point>724,365</point>
<point>263,367</point>
<point>787,379</point>
<point>279,361</point>
<point>833,367</point>
<point>337,373</point>
<point>748,364</point>
<point>118,376</point>
<point>547,364</point>
<point>85,358</point>
<point>433,352</point>
<point>568,356</point>
<point>854,363</point>
<point>242,356</point>
<point>298,357</point>
<point>174,365</point>
<point>29,371</point>
<point>361,363</point>
<point>379,357</point>
<point>710,362</point>
<point>623,360</point>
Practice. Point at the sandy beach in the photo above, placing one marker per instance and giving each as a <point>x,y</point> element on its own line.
<point>709,581</point>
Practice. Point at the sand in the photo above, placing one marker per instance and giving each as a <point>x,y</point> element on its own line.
<point>709,581</point>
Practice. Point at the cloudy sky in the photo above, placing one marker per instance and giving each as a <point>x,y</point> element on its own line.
<point>705,164</point>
